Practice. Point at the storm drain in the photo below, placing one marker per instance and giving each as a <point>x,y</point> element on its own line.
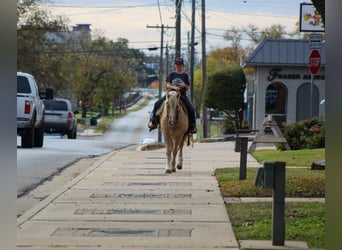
<point>119,232</point>
<point>124,211</point>
<point>141,196</point>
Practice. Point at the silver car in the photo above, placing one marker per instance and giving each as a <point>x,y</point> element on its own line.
<point>60,118</point>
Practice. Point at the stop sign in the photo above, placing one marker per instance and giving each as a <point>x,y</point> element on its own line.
<point>314,61</point>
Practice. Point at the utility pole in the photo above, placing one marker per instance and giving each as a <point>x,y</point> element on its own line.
<point>204,71</point>
<point>161,63</point>
<point>167,60</point>
<point>192,49</point>
<point>178,27</point>
<point>161,70</point>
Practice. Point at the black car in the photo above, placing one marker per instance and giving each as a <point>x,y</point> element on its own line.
<point>60,118</point>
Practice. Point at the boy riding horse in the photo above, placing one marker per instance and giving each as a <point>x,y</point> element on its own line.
<point>177,80</point>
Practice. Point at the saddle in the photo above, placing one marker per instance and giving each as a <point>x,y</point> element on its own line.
<point>160,110</point>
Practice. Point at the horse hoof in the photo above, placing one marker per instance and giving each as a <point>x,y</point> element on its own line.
<point>173,170</point>
<point>179,167</point>
<point>167,171</point>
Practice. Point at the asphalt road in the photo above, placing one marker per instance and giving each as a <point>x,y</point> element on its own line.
<point>36,165</point>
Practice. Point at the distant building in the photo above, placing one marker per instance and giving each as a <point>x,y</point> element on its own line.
<point>281,83</point>
<point>82,31</point>
<point>71,38</point>
<point>82,28</point>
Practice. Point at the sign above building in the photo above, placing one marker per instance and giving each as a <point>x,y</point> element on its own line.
<point>310,20</point>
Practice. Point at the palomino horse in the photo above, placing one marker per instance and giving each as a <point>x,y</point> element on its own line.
<point>174,125</point>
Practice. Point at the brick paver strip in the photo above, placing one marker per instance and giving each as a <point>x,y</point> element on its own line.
<point>117,232</point>
<point>95,211</point>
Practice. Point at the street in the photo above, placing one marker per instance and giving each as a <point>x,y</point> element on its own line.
<point>36,165</point>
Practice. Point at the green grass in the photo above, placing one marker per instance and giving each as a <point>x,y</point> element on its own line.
<point>213,131</point>
<point>304,221</point>
<point>141,105</point>
<point>300,182</point>
<point>292,157</point>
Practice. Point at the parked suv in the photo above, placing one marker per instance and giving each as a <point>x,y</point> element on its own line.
<point>60,118</point>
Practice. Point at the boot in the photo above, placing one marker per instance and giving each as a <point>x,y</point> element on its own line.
<point>192,128</point>
<point>154,121</point>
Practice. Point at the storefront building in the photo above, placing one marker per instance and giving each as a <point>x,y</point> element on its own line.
<point>281,84</point>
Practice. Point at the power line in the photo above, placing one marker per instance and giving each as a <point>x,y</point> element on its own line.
<point>100,6</point>
<point>160,16</point>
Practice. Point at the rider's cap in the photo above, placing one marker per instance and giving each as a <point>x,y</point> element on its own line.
<point>179,60</point>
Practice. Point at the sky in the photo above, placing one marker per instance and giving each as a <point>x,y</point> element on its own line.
<point>129,18</point>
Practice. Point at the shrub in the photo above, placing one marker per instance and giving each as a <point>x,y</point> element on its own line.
<point>229,125</point>
<point>309,133</point>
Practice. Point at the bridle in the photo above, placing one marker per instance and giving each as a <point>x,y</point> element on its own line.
<point>176,103</point>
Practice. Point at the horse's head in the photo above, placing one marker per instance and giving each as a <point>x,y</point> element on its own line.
<point>172,107</point>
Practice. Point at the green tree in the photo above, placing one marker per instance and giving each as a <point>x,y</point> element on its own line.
<point>34,48</point>
<point>216,60</point>
<point>275,31</point>
<point>225,92</point>
<point>106,70</point>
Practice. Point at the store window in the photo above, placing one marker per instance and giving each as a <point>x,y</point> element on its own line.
<point>275,99</point>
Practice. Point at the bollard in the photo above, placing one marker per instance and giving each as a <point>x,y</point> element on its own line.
<point>237,144</point>
<point>243,158</point>
<point>269,175</point>
<point>272,176</point>
<point>278,213</point>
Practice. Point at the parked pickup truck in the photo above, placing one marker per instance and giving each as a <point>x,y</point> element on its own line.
<point>30,112</point>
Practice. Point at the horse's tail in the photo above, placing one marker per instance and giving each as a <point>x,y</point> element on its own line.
<point>187,138</point>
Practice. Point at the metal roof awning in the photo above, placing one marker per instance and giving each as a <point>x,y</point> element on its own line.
<point>282,52</point>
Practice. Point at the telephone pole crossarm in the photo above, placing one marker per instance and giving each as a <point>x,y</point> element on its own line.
<point>160,26</point>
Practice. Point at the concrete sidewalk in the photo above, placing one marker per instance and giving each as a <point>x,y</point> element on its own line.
<point>126,201</point>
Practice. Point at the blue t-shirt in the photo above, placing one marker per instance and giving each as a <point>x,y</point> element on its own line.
<point>178,78</point>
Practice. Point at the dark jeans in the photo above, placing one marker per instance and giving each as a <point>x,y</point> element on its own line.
<point>188,106</point>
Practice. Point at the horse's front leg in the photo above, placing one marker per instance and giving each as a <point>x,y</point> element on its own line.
<point>168,168</point>
<point>174,157</point>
